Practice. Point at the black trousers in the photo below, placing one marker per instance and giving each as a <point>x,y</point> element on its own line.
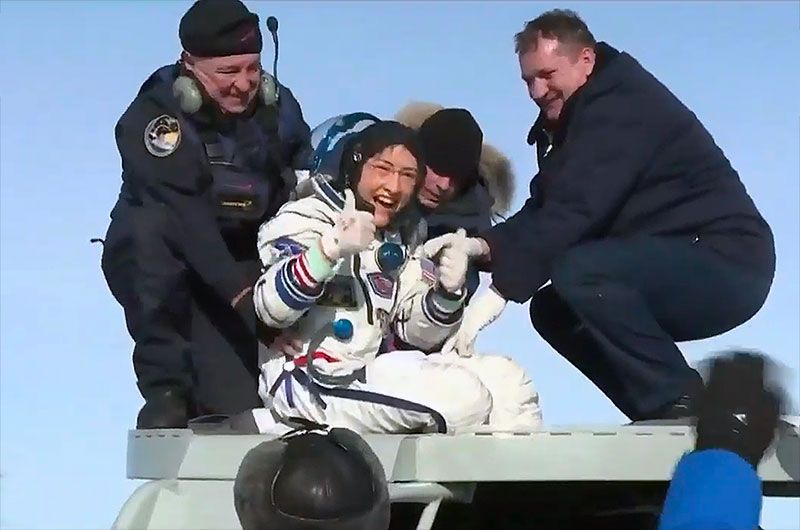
<point>186,338</point>
<point>615,308</point>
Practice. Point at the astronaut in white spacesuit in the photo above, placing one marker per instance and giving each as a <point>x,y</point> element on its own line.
<point>345,265</point>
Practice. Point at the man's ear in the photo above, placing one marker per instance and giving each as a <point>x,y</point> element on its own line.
<point>587,56</point>
<point>187,60</point>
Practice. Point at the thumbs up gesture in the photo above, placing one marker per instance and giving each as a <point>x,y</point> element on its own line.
<point>452,258</point>
<point>353,231</point>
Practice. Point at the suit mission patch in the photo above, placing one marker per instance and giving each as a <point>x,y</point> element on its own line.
<point>162,136</point>
<point>381,284</point>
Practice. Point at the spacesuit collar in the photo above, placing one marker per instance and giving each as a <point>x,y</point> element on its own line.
<point>326,192</point>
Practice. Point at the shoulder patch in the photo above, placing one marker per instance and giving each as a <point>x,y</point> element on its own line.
<point>162,136</point>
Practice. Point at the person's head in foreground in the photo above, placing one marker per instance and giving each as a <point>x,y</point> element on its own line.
<point>312,480</point>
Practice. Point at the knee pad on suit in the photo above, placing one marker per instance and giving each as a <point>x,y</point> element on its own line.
<point>515,401</point>
<point>460,395</point>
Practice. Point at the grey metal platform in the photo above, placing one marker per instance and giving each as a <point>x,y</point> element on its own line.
<point>191,475</point>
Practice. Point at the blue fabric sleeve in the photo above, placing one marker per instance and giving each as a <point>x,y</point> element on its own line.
<point>713,489</point>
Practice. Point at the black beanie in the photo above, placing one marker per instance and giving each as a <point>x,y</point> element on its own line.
<point>217,28</point>
<point>452,141</point>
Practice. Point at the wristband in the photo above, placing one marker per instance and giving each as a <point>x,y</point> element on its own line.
<point>449,302</point>
<point>318,265</point>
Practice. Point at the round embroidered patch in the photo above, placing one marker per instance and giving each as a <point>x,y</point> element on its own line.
<point>162,136</point>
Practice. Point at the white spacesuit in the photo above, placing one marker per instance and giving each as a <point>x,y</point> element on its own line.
<point>341,317</point>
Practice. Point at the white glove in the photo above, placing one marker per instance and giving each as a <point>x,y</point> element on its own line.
<point>472,246</point>
<point>453,261</point>
<point>353,232</point>
<point>479,313</point>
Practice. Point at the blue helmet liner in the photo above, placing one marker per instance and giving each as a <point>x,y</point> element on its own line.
<point>329,138</point>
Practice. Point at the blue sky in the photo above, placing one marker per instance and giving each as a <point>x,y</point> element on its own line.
<point>67,393</point>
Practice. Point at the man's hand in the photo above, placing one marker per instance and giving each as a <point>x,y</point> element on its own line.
<point>353,232</point>
<point>479,313</point>
<point>288,344</point>
<point>474,247</point>
<point>739,384</point>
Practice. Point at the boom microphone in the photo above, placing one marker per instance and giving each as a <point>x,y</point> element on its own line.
<point>272,26</point>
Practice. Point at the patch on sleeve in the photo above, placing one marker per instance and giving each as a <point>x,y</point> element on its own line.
<point>381,284</point>
<point>162,136</point>
<point>428,270</point>
<point>286,247</point>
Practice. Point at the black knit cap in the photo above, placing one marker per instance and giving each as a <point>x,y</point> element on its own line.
<point>452,142</point>
<point>217,28</point>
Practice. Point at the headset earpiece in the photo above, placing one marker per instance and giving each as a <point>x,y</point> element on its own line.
<point>188,94</point>
<point>268,90</point>
<point>190,97</point>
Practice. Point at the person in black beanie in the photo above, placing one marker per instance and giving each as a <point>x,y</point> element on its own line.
<point>222,45</point>
<point>468,181</point>
<point>209,147</point>
<point>452,141</point>
<point>218,28</point>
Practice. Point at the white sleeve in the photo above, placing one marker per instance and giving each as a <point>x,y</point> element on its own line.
<point>294,271</point>
<point>425,316</point>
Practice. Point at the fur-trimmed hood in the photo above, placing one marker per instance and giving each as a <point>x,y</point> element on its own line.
<point>495,167</point>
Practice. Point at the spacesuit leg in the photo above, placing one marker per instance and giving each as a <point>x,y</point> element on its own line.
<point>403,391</point>
<point>515,401</point>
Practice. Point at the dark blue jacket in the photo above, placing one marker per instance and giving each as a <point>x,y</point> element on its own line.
<point>712,489</point>
<point>628,159</point>
<point>182,181</point>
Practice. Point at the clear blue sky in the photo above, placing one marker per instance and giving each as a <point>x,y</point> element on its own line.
<point>69,69</point>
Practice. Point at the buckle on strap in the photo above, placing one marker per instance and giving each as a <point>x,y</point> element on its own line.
<point>292,369</point>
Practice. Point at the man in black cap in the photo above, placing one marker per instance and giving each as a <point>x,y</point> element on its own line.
<point>468,181</point>
<point>209,147</point>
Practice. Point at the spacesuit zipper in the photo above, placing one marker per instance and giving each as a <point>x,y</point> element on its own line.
<point>357,274</point>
